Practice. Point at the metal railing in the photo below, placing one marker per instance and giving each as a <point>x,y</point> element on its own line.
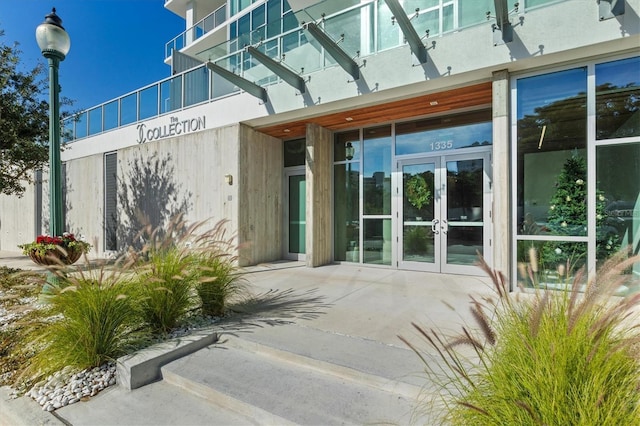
<point>292,48</point>
<point>210,22</point>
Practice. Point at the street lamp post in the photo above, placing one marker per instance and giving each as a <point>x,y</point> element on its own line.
<point>54,43</point>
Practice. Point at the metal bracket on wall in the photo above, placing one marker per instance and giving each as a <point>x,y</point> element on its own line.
<point>244,84</point>
<point>277,68</point>
<point>608,9</point>
<point>502,29</point>
<point>332,48</point>
<point>414,40</point>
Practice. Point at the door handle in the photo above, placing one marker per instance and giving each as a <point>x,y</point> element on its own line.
<point>444,226</point>
<point>434,226</point>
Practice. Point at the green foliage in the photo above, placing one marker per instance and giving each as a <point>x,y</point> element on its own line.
<point>546,358</point>
<point>418,194</point>
<point>568,216</point>
<point>165,287</point>
<point>91,317</point>
<point>24,121</point>
<point>218,283</point>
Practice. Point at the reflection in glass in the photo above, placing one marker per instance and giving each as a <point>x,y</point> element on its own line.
<point>340,151</point>
<point>171,94</point>
<point>464,244</point>
<point>297,214</point>
<point>148,102</point>
<point>294,152</point>
<point>128,109</point>
<point>441,134</point>
<point>535,271</point>
<point>346,211</point>
<point>377,171</point>
<point>552,131</point>
<point>618,99</point>
<point>81,125</point>
<point>464,190</point>
<point>388,35</point>
<point>196,86</point>
<point>95,121</point>
<point>618,202</point>
<point>418,244</point>
<point>110,115</point>
<point>377,241</point>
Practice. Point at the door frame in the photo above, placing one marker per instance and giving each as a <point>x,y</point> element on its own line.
<point>288,173</point>
<point>440,160</point>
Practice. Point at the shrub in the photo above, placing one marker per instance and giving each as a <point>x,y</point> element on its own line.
<point>165,288</point>
<point>218,282</point>
<point>90,318</point>
<point>543,358</point>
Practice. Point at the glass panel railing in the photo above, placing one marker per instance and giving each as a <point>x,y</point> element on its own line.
<point>148,102</point>
<point>128,109</point>
<point>110,115</point>
<point>171,94</point>
<point>202,27</point>
<point>95,121</point>
<point>367,27</point>
<point>196,86</point>
<point>81,125</point>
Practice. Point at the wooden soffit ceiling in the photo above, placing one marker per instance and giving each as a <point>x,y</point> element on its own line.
<point>434,103</point>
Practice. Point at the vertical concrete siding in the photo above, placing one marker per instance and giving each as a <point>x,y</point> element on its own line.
<point>85,200</point>
<point>319,229</point>
<point>259,197</point>
<point>501,238</point>
<point>17,219</point>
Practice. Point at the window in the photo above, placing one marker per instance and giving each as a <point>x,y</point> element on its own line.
<point>110,201</point>
<point>567,215</point>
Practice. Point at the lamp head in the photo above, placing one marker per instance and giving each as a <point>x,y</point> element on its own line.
<point>51,36</point>
<point>349,151</point>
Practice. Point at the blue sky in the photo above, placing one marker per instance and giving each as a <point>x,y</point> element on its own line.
<point>117,46</point>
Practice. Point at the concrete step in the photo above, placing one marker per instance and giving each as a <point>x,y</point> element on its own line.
<point>156,404</point>
<point>297,375</point>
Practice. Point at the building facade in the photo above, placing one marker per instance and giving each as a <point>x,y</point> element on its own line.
<point>403,134</point>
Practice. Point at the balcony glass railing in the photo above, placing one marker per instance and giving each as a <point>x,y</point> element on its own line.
<point>360,30</point>
<point>205,25</point>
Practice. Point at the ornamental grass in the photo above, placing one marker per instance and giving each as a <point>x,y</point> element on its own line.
<point>546,358</point>
<point>88,316</point>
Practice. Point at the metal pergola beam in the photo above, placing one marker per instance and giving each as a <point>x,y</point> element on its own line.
<point>407,29</point>
<point>244,84</point>
<point>277,68</point>
<point>503,26</point>
<point>341,57</point>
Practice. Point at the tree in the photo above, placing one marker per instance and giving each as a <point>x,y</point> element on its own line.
<point>24,121</point>
<point>568,216</point>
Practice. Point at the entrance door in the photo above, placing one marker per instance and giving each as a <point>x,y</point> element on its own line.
<point>295,215</point>
<point>443,208</point>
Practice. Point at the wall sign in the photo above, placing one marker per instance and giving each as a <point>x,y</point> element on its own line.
<point>175,127</point>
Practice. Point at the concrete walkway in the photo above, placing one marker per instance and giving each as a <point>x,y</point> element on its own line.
<point>314,346</point>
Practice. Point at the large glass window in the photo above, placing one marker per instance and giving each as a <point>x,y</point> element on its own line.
<point>618,99</point>
<point>577,187</point>
<point>347,196</point>
<point>444,133</point>
<point>618,200</point>
<point>377,170</point>
<point>552,130</point>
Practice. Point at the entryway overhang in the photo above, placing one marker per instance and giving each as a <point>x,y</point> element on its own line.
<point>473,96</point>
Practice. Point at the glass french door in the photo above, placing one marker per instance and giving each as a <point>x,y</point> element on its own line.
<point>295,218</point>
<point>444,212</point>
